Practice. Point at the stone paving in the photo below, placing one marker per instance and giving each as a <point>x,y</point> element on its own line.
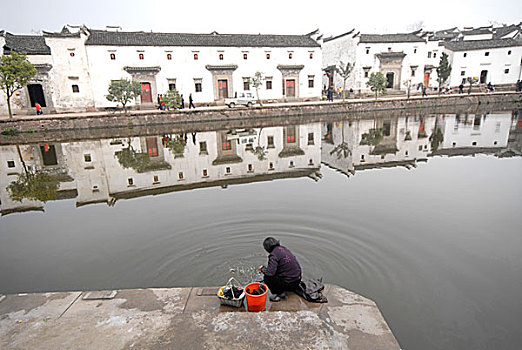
<point>188,318</point>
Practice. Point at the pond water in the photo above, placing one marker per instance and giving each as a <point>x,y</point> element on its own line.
<point>419,213</point>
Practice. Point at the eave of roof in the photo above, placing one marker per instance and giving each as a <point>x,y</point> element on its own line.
<point>108,38</point>
<point>467,45</point>
<point>390,38</point>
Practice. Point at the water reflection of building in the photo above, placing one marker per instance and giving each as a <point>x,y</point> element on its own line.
<point>102,171</point>
<point>349,146</point>
<point>469,134</point>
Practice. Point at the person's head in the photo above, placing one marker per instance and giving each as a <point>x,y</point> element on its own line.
<point>270,243</point>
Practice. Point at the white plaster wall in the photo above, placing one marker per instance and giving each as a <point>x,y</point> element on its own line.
<point>184,69</point>
<point>493,131</point>
<point>68,71</point>
<point>337,50</point>
<point>496,63</point>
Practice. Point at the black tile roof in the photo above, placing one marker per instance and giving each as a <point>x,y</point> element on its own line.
<point>338,36</point>
<point>466,45</point>
<point>501,31</point>
<point>477,31</point>
<point>390,38</point>
<point>108,38</point>
<point>30,44</point>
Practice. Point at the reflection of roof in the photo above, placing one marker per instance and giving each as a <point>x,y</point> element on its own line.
<point>291,152</point>
<point>381,149</point>
<point>66,194</point>
<point>30,44</point>
<point>228,159</point>
<point>390,38</point>
<point>480,44</point>
<point>21,210</point>
<point>405,163</point>
<point>81,204</point>
<point>102,37</point>
<point>466,151</point>
<point>218,183</point>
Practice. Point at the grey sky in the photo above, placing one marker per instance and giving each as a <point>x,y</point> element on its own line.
<point>267,16</point>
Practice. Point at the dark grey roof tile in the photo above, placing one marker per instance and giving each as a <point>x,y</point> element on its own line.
<point>390,38</point>
<point>30,44</point>
<point>466,45</point>
<point>108,38</point>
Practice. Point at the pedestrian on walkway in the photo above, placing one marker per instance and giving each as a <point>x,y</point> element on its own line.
<point>424,91</point>
<point>159,101</point>
<point>329,95</point>
<point>461,88</point>
<point>38,109</point>
<point>191,102</point>
<point>182,104</point>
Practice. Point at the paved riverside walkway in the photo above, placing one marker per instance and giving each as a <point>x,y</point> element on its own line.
<point>188,318</point>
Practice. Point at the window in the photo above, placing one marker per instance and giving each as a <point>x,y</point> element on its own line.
<point>205,173</point>
<point>311,55</point>
<point>506,71</point>
<point>465,54</point>
<point>462,72</point>
<point>270,142</point>
<point>310,81</point>
<point>413,72</point>
<point>130,181</point>
<point>311,162</point>
<point>172,86</point>
<point>486,54</point>
<point>75,88</point>
<point>203,147</point>
<point>246,84</point>
<point>267,56</point>
<point>195,57</point>
<point>169,56</point>
<point>290,55</point>
<point>310,138</point>
<point>366,73</point>
<point>291,164</point>
<point>155,179</point>
<point>71,53</point>
<point>415,50</point>
<point>474,143</point>
<point>221,57</point>
<point>113,56</point>
<point>362,157</point>
<point>367,50</point>
<point>227,170</point>
<point>271,166</point>
<point>87,158</point>
<point>429,54</point>
<point>434,55</point>
<point>10,164</point>
<point>197,87</point>
<point>141,56</point>
<point>290,135</point>
<point>420,147</point>
<point>495,143</point>
<point>269,84</point>
<point>180,175</point>
<point>226,145</point>
<point>509,52</point>
<point>245,56</point>
<point>250,168</point>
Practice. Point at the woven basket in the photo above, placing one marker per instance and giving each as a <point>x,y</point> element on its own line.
<point>236,301</point>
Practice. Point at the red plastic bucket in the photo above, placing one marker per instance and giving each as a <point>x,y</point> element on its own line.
<point>255,303</point>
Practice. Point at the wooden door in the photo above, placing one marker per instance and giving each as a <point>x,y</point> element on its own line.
<point>152,146</point>
<point>290,88</point>
<point>146,93</point>
<point>223,88</point>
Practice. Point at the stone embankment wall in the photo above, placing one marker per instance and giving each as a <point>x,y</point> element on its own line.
<point>201,119</point>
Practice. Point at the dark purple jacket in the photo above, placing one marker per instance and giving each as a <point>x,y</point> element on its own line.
<point>282,263</point>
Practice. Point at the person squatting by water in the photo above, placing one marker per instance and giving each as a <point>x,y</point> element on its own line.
<point>283,272</point>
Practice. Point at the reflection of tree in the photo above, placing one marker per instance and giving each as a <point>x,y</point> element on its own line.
<point>373,137</point>
<point>259,151</point>
<point>436,137</point>
<point>37,186</point>
<point>176,144</point>
<point>129,158</point>
<point>341,149</point>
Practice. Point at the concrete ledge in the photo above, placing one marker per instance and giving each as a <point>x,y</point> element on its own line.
<point>97,120</point>
<point>189,318</point>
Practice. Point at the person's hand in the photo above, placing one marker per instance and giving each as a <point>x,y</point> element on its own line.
<point>260,267</point>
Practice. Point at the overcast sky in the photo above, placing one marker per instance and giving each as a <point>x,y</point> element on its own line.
<point>266,16</point>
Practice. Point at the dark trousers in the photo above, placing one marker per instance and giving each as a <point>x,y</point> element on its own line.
<point>277,285</point>
<point>191,105</point>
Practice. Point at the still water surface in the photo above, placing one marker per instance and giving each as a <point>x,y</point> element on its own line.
<point>429,232</point>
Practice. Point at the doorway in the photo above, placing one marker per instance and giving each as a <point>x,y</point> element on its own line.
<point>426,79</point>
<point>146,93</point>
<point>389,77</point>
<point>36,94</point>
<point>290,88</point>
<point>48,154</point>
<point>223,89</point>
<point>483,76</point>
